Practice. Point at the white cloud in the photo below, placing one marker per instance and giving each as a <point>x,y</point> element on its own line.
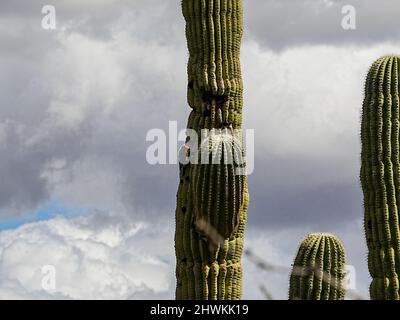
<point>104,256</point>
<point>305,103</point>
<point>95,257</point>
<point>307,98</point>
<point>86,78</point>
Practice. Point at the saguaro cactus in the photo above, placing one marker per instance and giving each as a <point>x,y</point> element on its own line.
<point>212,199</point>
<point>318,271</point>
<point>380,176</point>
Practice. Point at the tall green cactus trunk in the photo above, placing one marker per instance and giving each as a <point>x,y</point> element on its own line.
<point>380,176</point>
<point>318,270</point>
<point>212,199</point>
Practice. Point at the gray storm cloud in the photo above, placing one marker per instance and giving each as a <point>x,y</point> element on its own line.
<point>281,24</point>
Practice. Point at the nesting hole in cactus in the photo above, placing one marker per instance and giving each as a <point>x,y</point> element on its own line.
<point>184,170</point>
<point>184,209</point>
<point>191,85</point>
<point>207,113</point>
<point>220,100</point>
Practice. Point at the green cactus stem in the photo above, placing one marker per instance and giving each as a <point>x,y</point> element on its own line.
<point>212,200</point>
<point>318,271</point>
<point>218,185</point>
<point>380,176</point>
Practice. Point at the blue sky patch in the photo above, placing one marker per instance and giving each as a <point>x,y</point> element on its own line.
<point>49,211</point>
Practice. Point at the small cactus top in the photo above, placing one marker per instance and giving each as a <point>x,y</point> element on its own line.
<point>318,270</point>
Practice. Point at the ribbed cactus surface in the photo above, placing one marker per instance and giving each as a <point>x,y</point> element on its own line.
<point>214,30</point>
<point>380,176</point>
<point>212,199</point>
<point>318,270</point>
<point>218,185</point>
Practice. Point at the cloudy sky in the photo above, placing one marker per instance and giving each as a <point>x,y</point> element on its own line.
<point>77,102</point>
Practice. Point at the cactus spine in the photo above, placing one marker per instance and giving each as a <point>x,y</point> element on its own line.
<point>380,176</point>
<point>212,200</point>
<point>318,270</point>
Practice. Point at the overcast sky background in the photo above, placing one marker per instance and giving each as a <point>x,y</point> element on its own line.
<point>76,104</point>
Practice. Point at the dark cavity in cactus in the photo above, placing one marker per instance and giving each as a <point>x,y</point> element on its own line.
<point>380,176</point>
<point>319,269</point>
